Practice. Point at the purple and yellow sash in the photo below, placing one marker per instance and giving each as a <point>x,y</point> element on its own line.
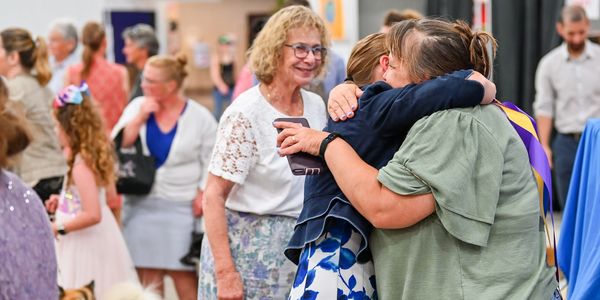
<point>527,130</point>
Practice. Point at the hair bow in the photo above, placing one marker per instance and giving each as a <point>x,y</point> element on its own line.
<point>71,94</point>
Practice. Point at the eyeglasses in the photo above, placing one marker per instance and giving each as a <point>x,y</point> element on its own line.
<point>301,50</point>
<point>152,81</point>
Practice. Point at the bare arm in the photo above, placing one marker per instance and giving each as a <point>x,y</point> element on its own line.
<point>125,78</point>
<point>382,207</point>
<point>90,214</point>
<point>229,283</point>
<point>132,129</point>
<point>391,210</point>
<point>545,130</point>
<point>215,74</point>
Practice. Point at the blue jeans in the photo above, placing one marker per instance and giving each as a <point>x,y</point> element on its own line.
<point>221,102</point>
<point>564,149</point>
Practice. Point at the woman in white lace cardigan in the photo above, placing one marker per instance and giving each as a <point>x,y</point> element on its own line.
<point>252,199</point>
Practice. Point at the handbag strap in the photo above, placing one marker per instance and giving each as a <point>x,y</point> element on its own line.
<point>118,140</point>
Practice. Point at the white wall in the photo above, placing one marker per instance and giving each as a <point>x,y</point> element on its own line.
<point>36,15</point>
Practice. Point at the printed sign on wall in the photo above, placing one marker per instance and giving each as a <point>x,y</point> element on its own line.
<point>333,13</point>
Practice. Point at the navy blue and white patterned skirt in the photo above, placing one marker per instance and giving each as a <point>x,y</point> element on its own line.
<point>328,268</point>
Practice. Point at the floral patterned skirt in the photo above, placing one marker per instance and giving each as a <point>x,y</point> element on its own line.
<point>257,244</point>
<point>328,268</point>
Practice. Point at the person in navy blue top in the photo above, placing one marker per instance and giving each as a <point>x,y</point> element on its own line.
<point>328,221</point>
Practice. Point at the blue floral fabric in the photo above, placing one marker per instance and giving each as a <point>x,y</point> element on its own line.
<point>257,244</point>
<point>328,268</point>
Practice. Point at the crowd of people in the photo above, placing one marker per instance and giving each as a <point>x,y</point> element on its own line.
<point>425,186</point>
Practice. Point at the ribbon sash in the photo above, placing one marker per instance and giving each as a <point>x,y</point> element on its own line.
<point>528,132</point>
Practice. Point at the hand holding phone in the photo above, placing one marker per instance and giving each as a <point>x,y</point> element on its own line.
<point>302,163</point>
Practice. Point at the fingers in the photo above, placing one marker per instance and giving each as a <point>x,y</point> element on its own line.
<point>336,113</point>
<point>288,129</point>
<point>289,148</point>
<point>343,101</point>
<point>288,142</point>
<point>489,87</point>
<point>358,92</point>
<point>52,203</point>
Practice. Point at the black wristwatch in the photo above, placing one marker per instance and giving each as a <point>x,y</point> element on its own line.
<point>332,136</point>
<point>60,228</point>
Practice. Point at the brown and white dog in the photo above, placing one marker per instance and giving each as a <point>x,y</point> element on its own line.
<point>83,293</point>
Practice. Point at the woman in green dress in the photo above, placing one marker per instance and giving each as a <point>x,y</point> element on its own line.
<point>456,209</point>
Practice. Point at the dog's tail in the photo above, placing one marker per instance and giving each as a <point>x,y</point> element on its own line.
<point>131,291</point>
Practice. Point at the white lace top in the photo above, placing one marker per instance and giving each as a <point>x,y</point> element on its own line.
<point>245,153</point>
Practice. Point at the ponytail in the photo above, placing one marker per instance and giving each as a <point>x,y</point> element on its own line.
<point>33,55</point>
<point>91,38</point>
<point>480,58</point>
<point>433,47</point>
<point>87,58</point>
<point>41,64</point>
<point>477,43</point>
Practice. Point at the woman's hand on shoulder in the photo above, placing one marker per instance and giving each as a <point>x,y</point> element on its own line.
<point>489,87</point>
<point>294,138</point>
<point>343,101</point>
<point>229,286</point>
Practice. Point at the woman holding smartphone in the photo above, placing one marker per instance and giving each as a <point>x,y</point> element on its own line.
<point>252,199</point>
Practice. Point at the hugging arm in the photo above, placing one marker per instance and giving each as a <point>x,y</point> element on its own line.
<point>391,210</point>
<point>448,91</point>
<point>403,107</point>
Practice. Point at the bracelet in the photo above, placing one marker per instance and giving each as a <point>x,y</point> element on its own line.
<point>60,229</point>
<point>332,136</point>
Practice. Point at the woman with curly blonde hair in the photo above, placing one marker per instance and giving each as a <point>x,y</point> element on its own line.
<point>90,245</point>
<point>252,200</point>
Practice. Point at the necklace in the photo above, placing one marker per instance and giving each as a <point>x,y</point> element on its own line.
<point>295,107</point>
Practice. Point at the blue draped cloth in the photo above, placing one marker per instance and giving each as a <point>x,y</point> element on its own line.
<point>579,245</point>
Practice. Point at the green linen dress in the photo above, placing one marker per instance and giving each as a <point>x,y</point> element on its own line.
<point>486,238</point>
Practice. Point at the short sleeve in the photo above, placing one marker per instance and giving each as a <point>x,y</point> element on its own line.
<point>453,156</point>
<point>235,151</point>
<point>544,91</point>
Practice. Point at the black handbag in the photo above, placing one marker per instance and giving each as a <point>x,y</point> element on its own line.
<point>136,171</point>
<point>192,257</point>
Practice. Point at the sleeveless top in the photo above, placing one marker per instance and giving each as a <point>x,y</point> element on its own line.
<point>227,74</point>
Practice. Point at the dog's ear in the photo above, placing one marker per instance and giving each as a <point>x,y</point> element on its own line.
<point>61,292</point>
<point>91,285</point>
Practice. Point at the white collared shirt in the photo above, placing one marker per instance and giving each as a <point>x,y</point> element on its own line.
<point>567,88</point>
<point>59,70</point>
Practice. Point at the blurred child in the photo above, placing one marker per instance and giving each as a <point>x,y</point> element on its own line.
<point>90,245</point>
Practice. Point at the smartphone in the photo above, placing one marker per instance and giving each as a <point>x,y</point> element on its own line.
<point>302,163</point>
